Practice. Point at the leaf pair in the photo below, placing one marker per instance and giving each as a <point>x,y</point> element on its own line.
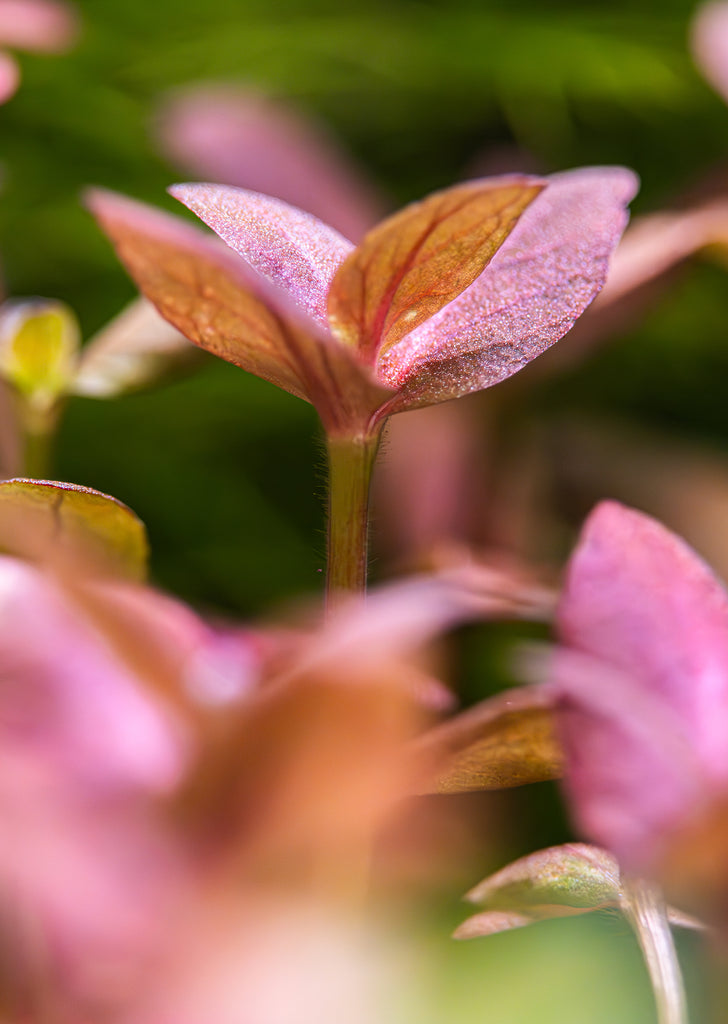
<point>448,296</point>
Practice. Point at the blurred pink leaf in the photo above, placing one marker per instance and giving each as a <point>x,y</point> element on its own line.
<point>9,76</point>
<point>652,247</point>
<point>45,25</point>
<point>710,43</point>
<point>48,26</point>
<point>642,682</point>
<point>236,136</point>
<point>70,697</point>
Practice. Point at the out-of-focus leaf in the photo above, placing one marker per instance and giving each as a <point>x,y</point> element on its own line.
<point>238,136</point>
<point>46,25</point>
<point>506,741</point>
<point>50,520</point>
<point>710,43</point>
<point>135,350</point>
<point>39,341</point>
<point>9,76</point>
<point>418,260</point>
<point>557,882</point>
<point>643,269</point>
<point>491,922</point>
<point>575,876</point>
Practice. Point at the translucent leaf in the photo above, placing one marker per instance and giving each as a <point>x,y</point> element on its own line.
<point>135,350</point>
<point>418,260</point>
<point>541,279</point>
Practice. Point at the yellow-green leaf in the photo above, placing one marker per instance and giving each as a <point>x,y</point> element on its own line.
<point>51,520</point>
<point>39,342</point>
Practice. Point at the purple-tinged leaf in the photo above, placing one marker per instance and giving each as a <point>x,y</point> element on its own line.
<point>236,136</point>
<point>541,279</point>
<point>291,249</point>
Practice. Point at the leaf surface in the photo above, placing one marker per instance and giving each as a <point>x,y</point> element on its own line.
<point>291,249</point>
<point>415,262</point>
<point>541,279</point>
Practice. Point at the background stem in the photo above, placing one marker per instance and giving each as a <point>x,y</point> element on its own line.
<point>37,427</point>
<point>645,909</point>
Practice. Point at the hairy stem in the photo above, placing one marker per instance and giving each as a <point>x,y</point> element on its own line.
<point>351,462</point>
<point>645,909</point>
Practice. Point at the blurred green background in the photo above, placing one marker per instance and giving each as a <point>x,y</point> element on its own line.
<point>226,471</point>
<point>220,466</point>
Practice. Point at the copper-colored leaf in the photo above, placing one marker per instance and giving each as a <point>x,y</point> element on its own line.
<point>47,520</point>
<point>200,287</point>
<point>420,259</point>
<point>217,301</point>
<point>503,742</point>
<point>541,280</point>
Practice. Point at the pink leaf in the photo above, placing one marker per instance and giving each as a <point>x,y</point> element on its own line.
<point>644,681</point>
<point>710,44</point>
<point>286,246</point>
<point>46,25</point>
